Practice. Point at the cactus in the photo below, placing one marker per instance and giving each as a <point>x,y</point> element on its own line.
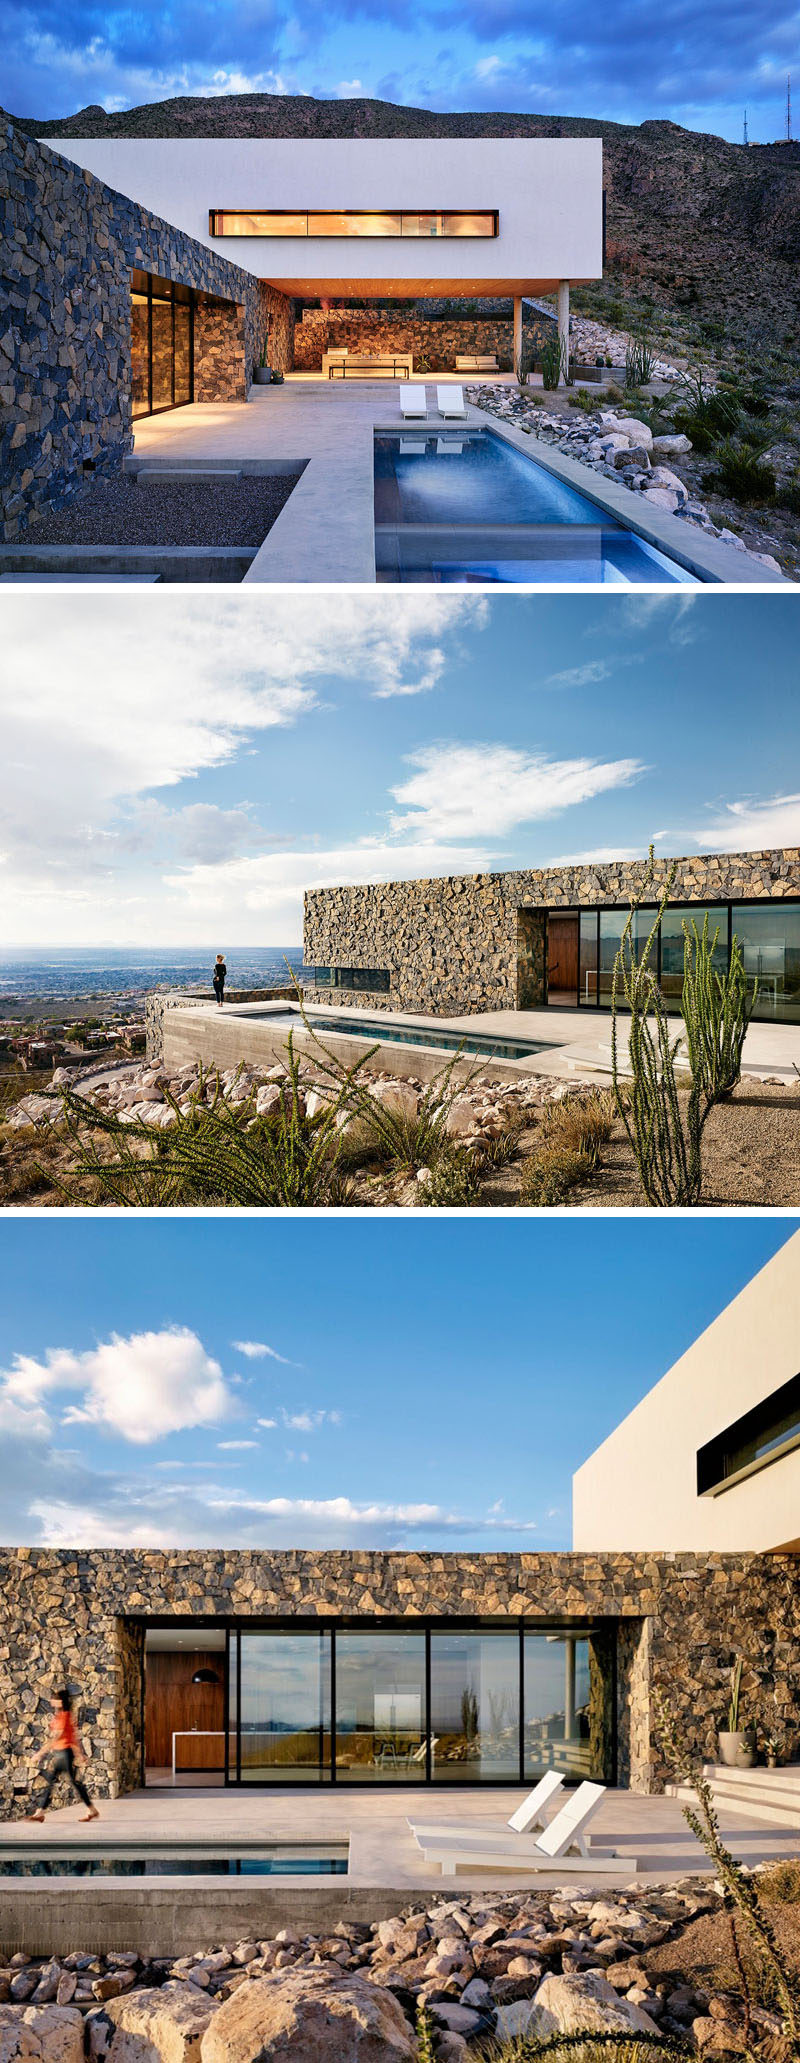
<point>665,1142</point>
<point>716,1012</point>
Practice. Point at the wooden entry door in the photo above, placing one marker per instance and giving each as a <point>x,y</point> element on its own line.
<point>562,958</point>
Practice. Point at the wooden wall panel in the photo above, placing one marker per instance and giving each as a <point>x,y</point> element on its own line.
<point>174,1703</point>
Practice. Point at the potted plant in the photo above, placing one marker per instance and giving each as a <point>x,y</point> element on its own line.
<point>262,372</point>
<point>732,1739</point>
<point>772,1749</point>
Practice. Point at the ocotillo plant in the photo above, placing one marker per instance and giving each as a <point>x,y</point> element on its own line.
<point>716,1012</point>
<point>666,1143</point>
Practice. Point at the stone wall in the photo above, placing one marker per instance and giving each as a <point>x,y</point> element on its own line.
<point>438,340</point>
<point>180,999</point>
<point>460,944</point>
<point>676,1622</point>
<point>69,246</point>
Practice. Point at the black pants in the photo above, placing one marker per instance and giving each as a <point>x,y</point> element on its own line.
<point>219,990</point>
<point>62,1763</point>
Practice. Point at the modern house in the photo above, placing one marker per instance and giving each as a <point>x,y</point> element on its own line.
<point>248,1668</point>
<point>549,935</point>
<point>143,274</point>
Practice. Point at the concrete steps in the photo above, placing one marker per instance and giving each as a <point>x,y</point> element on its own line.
<point>771,1796</point>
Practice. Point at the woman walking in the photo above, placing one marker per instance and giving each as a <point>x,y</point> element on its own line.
<point>62,1748</point>
<point>220,972</point>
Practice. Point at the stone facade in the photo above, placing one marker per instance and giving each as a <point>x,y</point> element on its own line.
<point>471,942</point>
<point>69,246</point>
<point>666,1626</point>
<point>438,340</point>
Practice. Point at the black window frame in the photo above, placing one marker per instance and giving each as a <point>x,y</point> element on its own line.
<point>376,980</point>
<point>582,1627</point>
<point>725,904</point>
<point>142,284</point>
<point>215,215</point>
<point>714,1475</point>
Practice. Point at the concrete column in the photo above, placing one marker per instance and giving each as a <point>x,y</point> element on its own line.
<point>563,328</point>
<point>569,1690</point>
<point>517,330</point>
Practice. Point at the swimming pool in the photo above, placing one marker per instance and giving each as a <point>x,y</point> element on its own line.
<point>328,1860</point>
<point>470,507</point>
<point>386,1032</point>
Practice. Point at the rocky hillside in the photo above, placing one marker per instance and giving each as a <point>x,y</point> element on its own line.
<point>703,235</point>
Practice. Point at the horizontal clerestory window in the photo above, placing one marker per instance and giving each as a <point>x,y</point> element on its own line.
<point>375,978</point>
<point>378,222</point>
<point>752,1442</point>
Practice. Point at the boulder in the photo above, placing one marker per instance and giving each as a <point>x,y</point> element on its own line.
<point>41,2034</point>
<point>400,1097</point>
<point>584,2004</point>
<point>460,1118</point>
<point>267,1100</point>
<point>635,458</point>
<point>662,476</point>
<point>672,446</point>
<point>164,2025</point>
<point>320,2015</point>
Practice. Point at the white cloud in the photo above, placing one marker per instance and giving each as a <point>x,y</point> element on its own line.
<point>486,791</point>
<point>267,1424</point>
<point>257,1350</point>
<point>581,676</point>
<point>251,899</point>
<point>184,690</point>
<point>142,1387</point>
<point>749,826</point>
<point>599,855</point>
<point>235,1446</point>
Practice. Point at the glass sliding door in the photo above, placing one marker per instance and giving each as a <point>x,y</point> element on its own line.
<point>284,1707</point>
<point>672,943</point>
<point>162,344</point>
<point>475,1684</point>
<point>587,976</point>
<point>556,1730</point>
<point>612,925</point>
<point>769,935</point>
<point>381,1708</point>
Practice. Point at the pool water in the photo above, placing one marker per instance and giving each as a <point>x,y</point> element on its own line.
<point>471,507</point>
<point>377,1028</point>
<point>119,1863</point>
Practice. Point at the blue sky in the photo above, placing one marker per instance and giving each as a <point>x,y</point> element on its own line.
<point>281,1382</point>
<point>697,64</point>
<point>209,760</point>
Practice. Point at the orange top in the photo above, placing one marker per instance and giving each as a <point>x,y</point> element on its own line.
<point>63,1731</point>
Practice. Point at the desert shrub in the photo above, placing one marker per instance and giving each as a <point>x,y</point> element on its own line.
<point>780,1883</point>
<point>613,2047</point>
<point>716,1012</point>
<point>581,398</point>
<point>740,471</point>
<point>787,495</point>
<point>405,1141</point>
<point>426,2048</point>
<point>551,1172</point>
<point>582,1122</point>
<point>665,1138</point>
<point>455,1179</point>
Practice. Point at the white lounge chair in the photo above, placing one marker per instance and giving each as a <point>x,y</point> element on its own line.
<point>528,1818</point>
<point>450,403</point>
<point>413,404</point>
<point>562,1847</point>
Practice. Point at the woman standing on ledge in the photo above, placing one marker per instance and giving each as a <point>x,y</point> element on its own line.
<point>220,972</point>
<point>63,1746</point>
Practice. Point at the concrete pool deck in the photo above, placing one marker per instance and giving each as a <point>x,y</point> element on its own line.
<point>167,1915</point>
<point>572,1043</point>
<point>326,532</point>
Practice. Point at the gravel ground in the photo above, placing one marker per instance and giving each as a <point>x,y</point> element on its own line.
<point>702,1954</point>
<point>177,512</point>
<point>751,1155</point>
